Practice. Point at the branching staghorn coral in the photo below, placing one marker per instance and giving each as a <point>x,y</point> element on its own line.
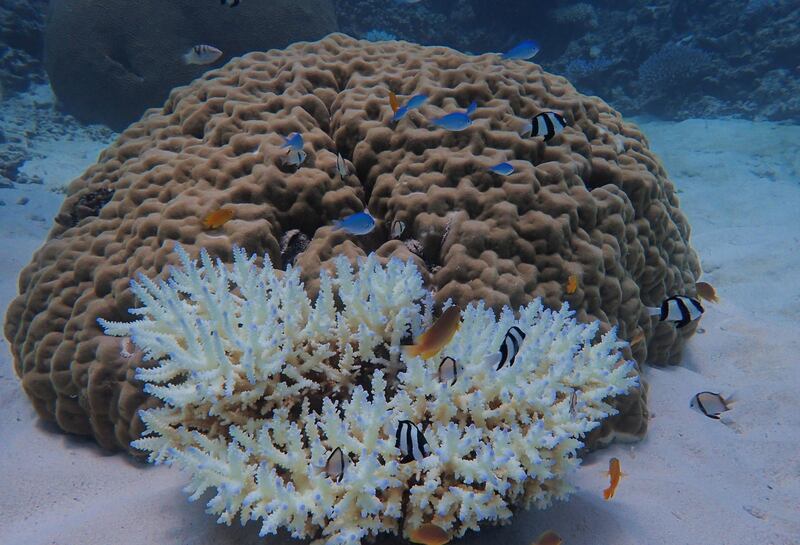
<point>260,386</point>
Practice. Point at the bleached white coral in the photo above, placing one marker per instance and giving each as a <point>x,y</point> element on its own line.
<point>260,387</point>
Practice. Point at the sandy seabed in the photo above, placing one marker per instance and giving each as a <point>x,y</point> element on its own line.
<point>692,480</point>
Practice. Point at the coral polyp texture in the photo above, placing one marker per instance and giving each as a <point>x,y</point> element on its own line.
<point>593,202</point>
<point>261,387</point>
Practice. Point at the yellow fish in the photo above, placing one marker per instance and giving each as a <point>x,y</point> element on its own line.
<point>438,335</point>
<point>572,284</point>
<point>217,218</point>
<point>429,534</point>
<point>549,538</point>
<point>393,102</point>
<point>706,291</point>
<point>615,472</point>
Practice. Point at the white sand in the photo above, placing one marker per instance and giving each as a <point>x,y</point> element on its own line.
<point>692,481</point>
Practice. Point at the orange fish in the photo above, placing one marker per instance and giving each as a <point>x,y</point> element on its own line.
<point>549,538</point>
<point>218,218</point>
<point>393,102</point>
<point>439,334</point>
<point>639,337</point>
<point>572,284</point>
<point>429,534</point>
<point>615,472</point>
<point>706,291</point>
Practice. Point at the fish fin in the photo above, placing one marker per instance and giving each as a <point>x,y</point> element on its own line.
<point>472,107</point>
<point>608,493</point>
<point>493,359</point>
<point>653,311</point>
<point>393,102</point>
<point>729,397</point>
<point>187,58</point>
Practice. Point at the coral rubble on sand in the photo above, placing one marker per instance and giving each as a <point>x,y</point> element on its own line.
<point>260,387</point>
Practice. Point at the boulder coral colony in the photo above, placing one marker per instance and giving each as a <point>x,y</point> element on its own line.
<point>592,203</point>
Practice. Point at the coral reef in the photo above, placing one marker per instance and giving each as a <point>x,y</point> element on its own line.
<point>261,387</point>
<point>593,202</point>
<point>21,24</point>
<point>108,65</point>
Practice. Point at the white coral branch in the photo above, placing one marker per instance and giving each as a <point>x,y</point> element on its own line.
<point>260,386</point>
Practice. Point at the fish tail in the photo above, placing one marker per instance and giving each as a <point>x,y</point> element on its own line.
<point>608,493</point>
<point>653,311</point>
<point>187,58</point>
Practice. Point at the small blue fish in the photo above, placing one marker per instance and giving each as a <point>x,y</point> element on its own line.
<point>294,141</point>
<point>400,113</point>
<point>416,101</point>
<point>359,223</point>
<point>525,50</point>
<point>502,168</point>
<point>457,121</point>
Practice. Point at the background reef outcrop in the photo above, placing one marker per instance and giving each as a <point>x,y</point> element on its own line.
<point>593,202</point>
<point>724,57</point>
<point>109,61</point>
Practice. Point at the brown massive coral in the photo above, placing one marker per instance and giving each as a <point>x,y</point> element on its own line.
<point>592,202</point>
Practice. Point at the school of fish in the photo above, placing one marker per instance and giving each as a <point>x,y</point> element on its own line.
<point>410,440</point>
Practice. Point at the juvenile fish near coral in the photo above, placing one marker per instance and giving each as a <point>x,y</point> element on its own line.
<point>572,284</point>
<point>456,121</point>
<point>341,166</point>
<point>522,51</point>
<point>706,291</point>
<point>615,472</point>
<point>335,465</point>
<point>429,534</point>
<point>398,227</point>
<point>438,335</point>
<point>711,404</point>
<point>679,309</point>
<point>573,403</point>
<point>217,218</point>
<point>359,223</point>
<point>393,102</point>
<point>510,347</point>
<point>416,101</point>
<point>411,442</point>
<point>295,157</point>
<point>202,54</point>
<point>448,371</point>
<point>294,141</point>
<point>503,169</point>
<point>547,124</point>
<point>549,538</point>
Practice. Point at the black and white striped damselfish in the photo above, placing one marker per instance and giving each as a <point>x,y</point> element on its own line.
<point>510,347</point>
<point>547,124</point>
<point>679,309</point>
<point>335,465</point>
<point>411,442</point>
